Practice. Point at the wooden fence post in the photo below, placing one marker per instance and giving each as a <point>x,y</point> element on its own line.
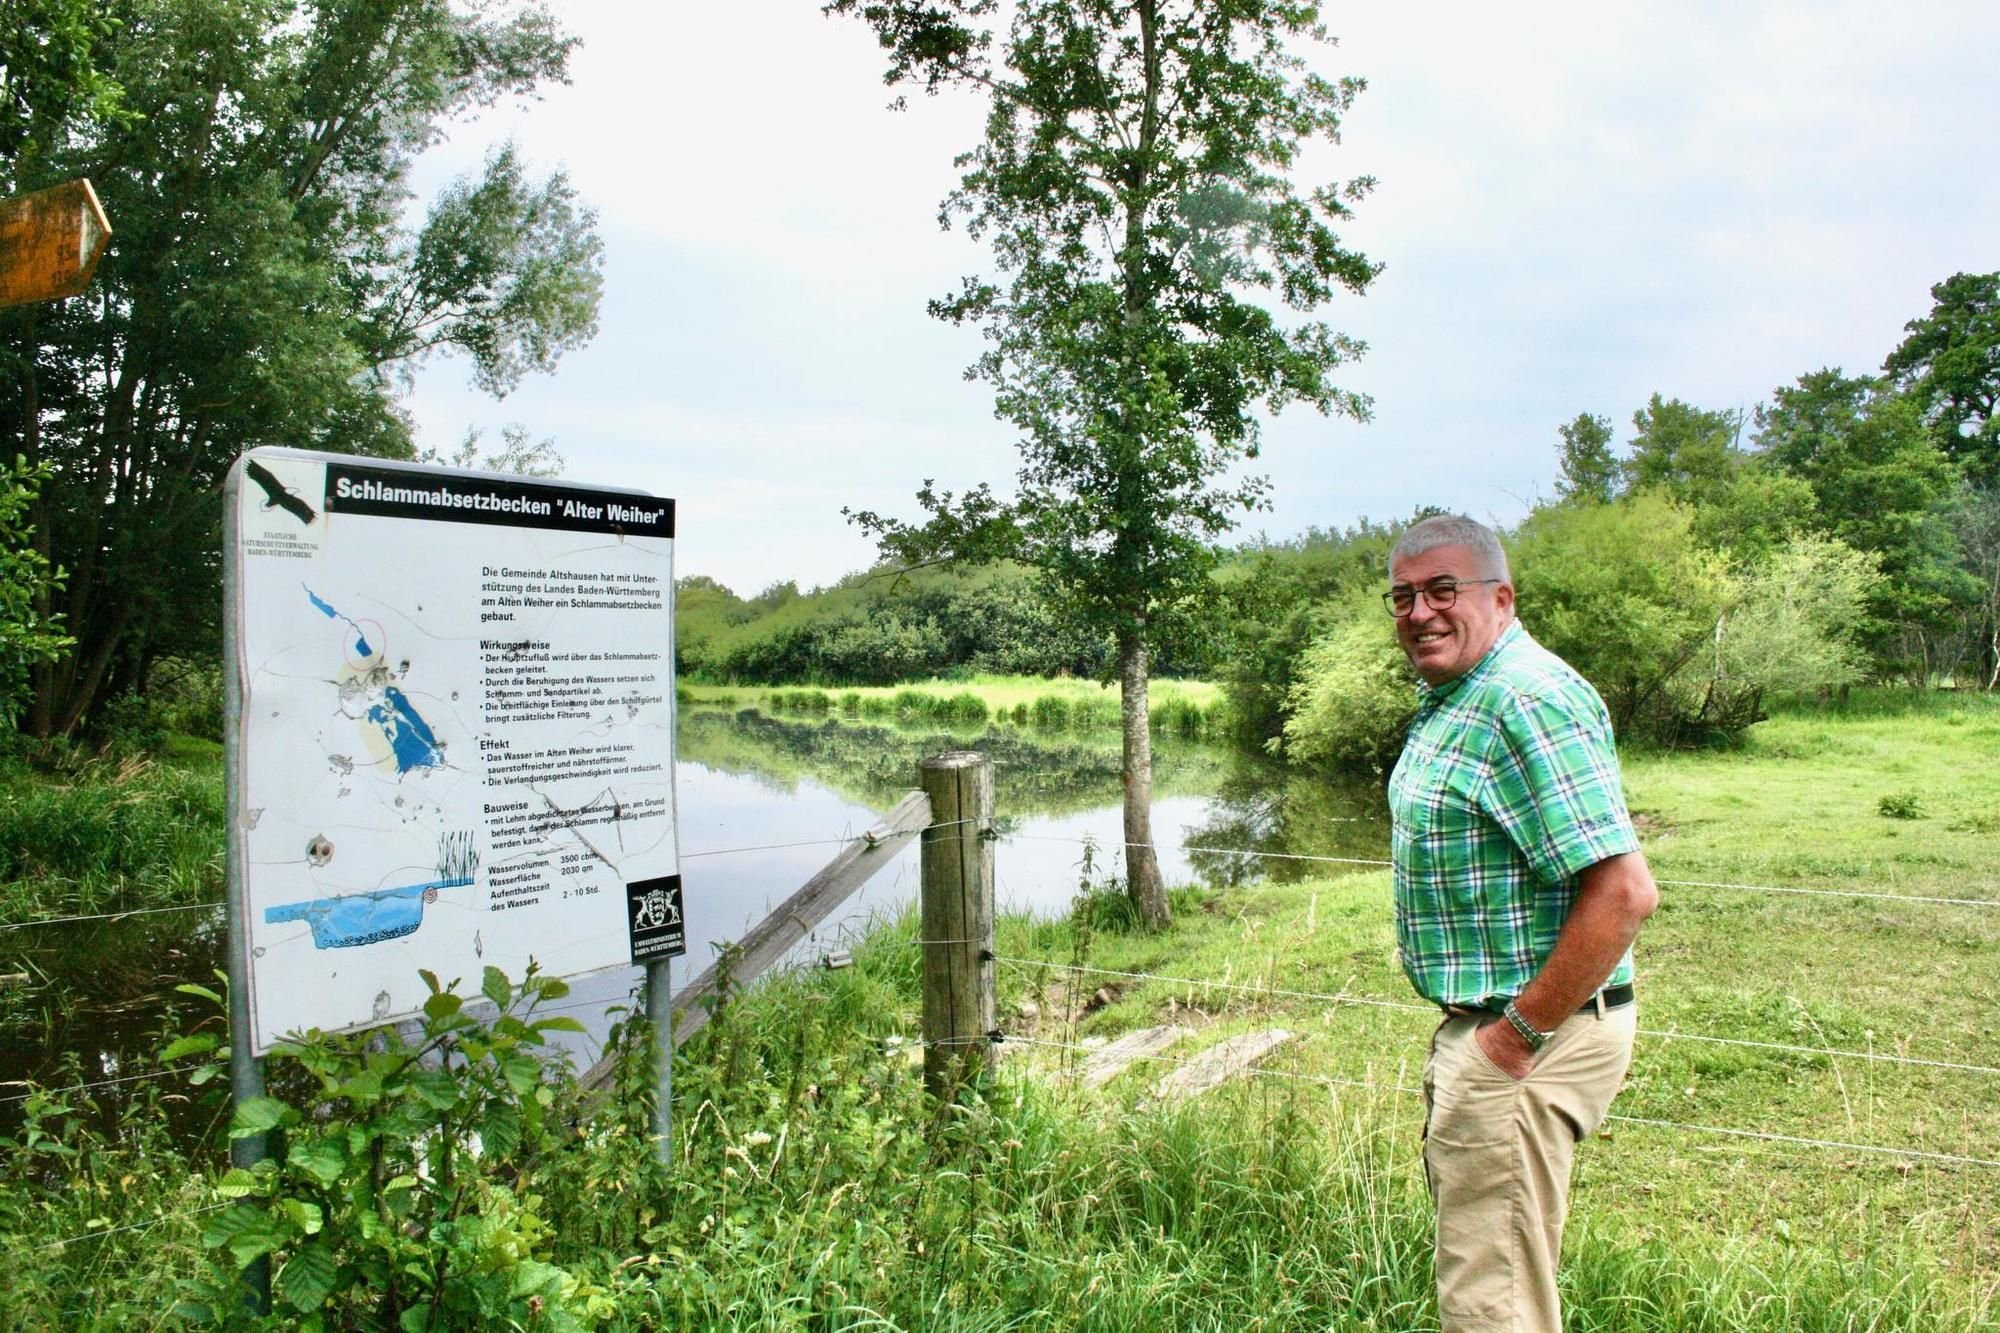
<point>957,920</point>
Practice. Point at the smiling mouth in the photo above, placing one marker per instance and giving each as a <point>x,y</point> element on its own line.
<point>1432,636</point>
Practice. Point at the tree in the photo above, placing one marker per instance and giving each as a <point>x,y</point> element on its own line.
<point>1882,485</point>
<point>1797,627</point>
<point>1686,452</point>
<point>1353,696</point>
<point>1951,362</point>
<point>48,77</point>
<point>262,286</point>
<point>1135,182</point>
<point>1977,523</point>
<point>1626,594</point>
<point>1590,473</point>
<point>26,637</point>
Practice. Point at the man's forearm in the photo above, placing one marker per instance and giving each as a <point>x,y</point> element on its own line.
<point>1613,898</point>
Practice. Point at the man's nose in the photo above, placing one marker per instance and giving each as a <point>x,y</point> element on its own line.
<point>1421,610</point>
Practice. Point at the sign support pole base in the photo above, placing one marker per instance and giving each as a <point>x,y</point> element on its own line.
<point>660,1014</point>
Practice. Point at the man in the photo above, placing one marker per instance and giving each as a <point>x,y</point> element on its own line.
<point>1519,891</point>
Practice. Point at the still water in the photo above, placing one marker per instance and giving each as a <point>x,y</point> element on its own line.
<point>763,804</point>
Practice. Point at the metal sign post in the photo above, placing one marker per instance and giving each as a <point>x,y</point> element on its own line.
<point>246,1072</point>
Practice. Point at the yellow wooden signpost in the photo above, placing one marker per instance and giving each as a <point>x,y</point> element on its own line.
<point>50,242</point>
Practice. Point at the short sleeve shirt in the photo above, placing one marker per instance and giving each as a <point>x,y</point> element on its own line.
<point>1507,788</point>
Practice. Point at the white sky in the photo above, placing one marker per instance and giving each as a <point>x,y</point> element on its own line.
<point>1579,204</point>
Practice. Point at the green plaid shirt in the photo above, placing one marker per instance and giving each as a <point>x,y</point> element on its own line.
<point>1507,788</point>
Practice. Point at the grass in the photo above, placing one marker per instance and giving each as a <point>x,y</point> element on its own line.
<point>816,1188</point>
<point>1185,707</point>
<point>101,834</point>
<point>1797,807</point>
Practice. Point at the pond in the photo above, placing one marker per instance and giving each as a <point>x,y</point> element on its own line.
<point>764,802</point>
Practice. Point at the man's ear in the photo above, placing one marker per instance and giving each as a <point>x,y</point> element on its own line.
<point>1503,596</point>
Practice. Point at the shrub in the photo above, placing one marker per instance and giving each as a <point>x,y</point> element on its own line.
<point>1901,805</point>
<point>966,708</point>
<point>406,1194</point>
<point>1049,713</point>
<point>1353,699</point>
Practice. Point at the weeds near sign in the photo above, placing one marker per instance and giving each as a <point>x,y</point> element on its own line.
<point>406,1194</point>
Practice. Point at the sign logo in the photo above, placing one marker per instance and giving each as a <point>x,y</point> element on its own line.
<point>653,909</point>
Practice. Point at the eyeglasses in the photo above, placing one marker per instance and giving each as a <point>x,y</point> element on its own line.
<point>1439,595</point>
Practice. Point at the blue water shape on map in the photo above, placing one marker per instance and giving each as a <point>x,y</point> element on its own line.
<point>410,738</point>
<point>355,919</point>
<point>327,609</point>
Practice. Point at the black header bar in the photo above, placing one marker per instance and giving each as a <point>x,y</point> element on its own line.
<point>497,501</point>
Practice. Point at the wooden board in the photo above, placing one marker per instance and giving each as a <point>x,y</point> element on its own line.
<point>771,939</point>
<point>1218,1063</point>
<point>1107,1063</point>
<point>50,242</point>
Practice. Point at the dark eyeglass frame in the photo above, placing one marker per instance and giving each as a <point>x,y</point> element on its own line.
<point>1438,595</point>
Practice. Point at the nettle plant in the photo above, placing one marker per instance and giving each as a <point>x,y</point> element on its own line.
<point>402,1195</point>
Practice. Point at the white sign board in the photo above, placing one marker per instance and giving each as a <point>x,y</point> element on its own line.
<point>455,738</point>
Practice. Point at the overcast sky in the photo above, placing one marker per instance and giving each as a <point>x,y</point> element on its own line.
<point>1579,204</point>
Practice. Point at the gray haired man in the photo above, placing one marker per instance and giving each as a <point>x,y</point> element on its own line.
<point>1519,891</point>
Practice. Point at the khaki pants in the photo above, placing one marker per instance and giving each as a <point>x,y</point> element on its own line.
<point>1497,1153</point>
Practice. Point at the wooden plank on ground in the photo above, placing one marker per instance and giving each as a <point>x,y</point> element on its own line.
<point>1217,1064</point>
<point>1108,1062</point>
<point>793,920</point>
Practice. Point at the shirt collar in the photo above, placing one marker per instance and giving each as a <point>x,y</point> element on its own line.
<point>1429,695</point>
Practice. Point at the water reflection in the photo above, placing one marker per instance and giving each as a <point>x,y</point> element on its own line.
<point>763,803</point>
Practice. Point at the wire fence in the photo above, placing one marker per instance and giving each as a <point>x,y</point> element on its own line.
<point>1331,1080</point>
<point>1333,999</point>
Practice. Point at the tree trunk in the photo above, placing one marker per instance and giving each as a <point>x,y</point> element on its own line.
<point>1142,864</point>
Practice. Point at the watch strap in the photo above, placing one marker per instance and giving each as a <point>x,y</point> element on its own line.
<point>1534,1036</point>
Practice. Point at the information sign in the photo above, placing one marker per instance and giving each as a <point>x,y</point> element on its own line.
<point>455,735</point>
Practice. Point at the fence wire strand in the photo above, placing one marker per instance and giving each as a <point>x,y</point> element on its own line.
<point>1380,864</point>
<point>105,916</point>
<point>1797,1140</point>
<point>1368,1001</point>
<point>159,1221</point>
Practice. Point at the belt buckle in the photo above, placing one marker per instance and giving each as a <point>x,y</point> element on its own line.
<point>1597,1003</point>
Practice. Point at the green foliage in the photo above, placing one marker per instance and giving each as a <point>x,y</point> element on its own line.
<point>1624,594</point>
<point>29,631</point>
<point>1881,484</point>
<point>97,834</point>
<point>1131,222</point>
<point>878,629</point>
<point>405,1196</point>
<point>50,77</point>
<point>1279,597</point>
<point>1354,697</point>
<point>1900,805</point>
<point>1950,363</point>
<point>264,283</point>
<point>1683,451</point>
<point>1798,627</point>
<point>1588,470</point>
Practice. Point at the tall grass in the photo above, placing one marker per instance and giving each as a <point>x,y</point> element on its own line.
<point>816,1187</point>
<point>105,835</point>
<point>1190,709</point>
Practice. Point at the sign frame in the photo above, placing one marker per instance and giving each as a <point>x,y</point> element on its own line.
<point>367,698</point>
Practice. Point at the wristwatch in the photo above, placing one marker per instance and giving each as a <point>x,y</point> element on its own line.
<point>1534,1036</point>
